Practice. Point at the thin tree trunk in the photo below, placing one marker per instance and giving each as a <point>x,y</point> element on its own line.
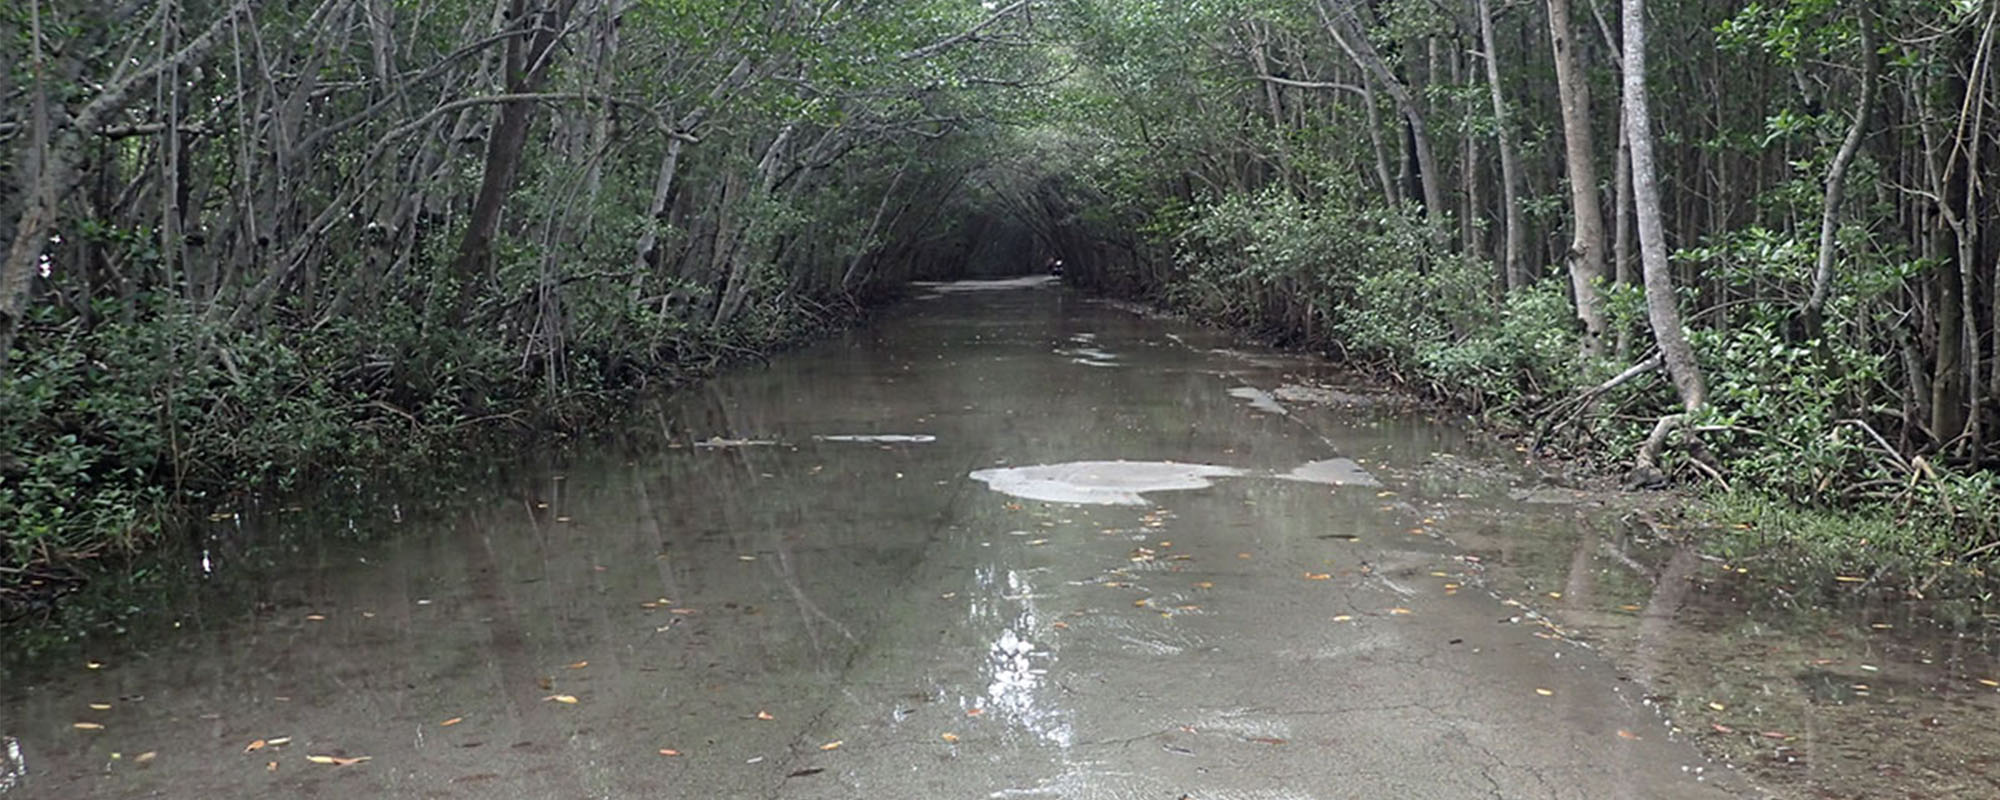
<point>1510,170</point>
<point>1662,307</point>
<point>1586,250</point>
<point>1365,56</point>
<point>1836,182</point>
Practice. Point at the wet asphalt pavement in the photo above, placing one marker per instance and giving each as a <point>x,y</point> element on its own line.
<point>810,595</point>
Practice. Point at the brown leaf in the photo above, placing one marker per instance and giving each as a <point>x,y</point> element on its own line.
<point>578,665</point>
<point>833,745</point>
<point>254,746</point>
<point>765,715</point>
<point>450,722</point>
<point>949,737</point>
<point>1721,728</point>
<point>668,751</point>
<point>1625,734</point>
<point>1318,576</point>
<point>145,758</point>
<point>973,712</point>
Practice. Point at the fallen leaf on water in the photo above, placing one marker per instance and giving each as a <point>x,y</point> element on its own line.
<point>1775,735</point>
<point>1625,734</point>
<point>1717,706</point>
<point>1628,607</point>
<point>578,665</point>
<point>1989,682</point>
<point>765,715</point>
<point>279,741</point>
<point>1399,611</point>
<point>450,722</point>
<point>1059,625</point>
<point>1318,576</point>
<point>668,751</point>
<point>1556,595</point>
<point>87,726</point>
<point>1545,692</point>
<point>1267,740</point>
<point>145,758</point>
<point>315,617</point>
<point>1204,585</point>
<point>1721,728</point>
<point>270,766</point>
<point>949,737</point>
<point>255,746</point>
<point>93,665</point>
<point>338,761</point>
<point>973,712</point>
<point>567,699</point>
<point>100,706</point>
<point>1343,617</point>
<point>833,745</point>
<point>1244,556</point>
<point>1849,578</point>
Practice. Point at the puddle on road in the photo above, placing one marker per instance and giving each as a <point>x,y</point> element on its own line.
<point>1082,626</point>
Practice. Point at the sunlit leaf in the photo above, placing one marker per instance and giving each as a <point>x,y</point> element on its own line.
<point>577,665</point>
<point>566,699</point>
<point>255,746</point>
<point>949,737</point>
<point>1716,706</point>
<point>338,761</point>
<point>100,706</point>
<point>668,751</point>
<point>765,715</point>
<point>450,722</point>
<point>145,758</point>
<point>1625,734</point>
<point>1318,576</point>
<point>1545,692</point>
<point>833,745</point>
<point>86,726</point>
<point>1399,611</point>
<point>973,712</point>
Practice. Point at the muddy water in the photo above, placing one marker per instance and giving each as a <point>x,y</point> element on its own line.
<point>1006,543</point>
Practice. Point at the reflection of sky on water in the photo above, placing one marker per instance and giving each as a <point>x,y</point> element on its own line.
<point>13,767</point>
<point>1014,681</point>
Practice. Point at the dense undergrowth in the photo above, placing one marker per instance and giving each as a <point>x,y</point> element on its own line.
<point>1786,439</point>
<point>120,431</point>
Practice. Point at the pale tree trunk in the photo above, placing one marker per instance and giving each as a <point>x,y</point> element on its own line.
<point>1510,170</point>
<point>1661,305</point>
<point>1586,249</point>
<point>1836,182</point>
<point>1364,55</point>
<point>60,162</point>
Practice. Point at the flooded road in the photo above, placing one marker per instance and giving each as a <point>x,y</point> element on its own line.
<point>1005,543</point>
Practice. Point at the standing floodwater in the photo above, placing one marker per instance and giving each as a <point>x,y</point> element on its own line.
<point>1006,543</point>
